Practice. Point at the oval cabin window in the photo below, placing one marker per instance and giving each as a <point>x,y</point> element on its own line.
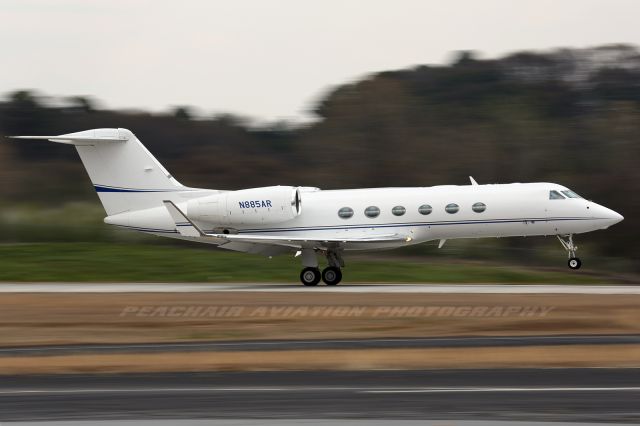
<point>425,209</point>
<point>452,208</point>
<point>372,211</point>
<point>479,207</point>
<point>398,211</point>
<point>345,212</point>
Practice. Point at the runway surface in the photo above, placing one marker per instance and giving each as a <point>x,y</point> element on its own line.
<point>279,345</point>
<point>579,395</point>
<point>8,287</point>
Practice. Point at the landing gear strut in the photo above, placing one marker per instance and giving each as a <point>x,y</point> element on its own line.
<point>332,274</point>
<point>567,242</point>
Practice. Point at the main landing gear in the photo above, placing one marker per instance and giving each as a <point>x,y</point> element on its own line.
<point>567,242</point>
<point>311,275</point>
<point>330,275</point>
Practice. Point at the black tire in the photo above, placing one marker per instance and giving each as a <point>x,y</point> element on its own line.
<point>574,263</point>
<point>310,276</point>
<point>331,275</point>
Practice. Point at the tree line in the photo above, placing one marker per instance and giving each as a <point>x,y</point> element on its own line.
<point>570,116</point>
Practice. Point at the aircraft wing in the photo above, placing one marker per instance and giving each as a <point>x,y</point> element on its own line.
<point>307,241</point>
<point>189,229</point>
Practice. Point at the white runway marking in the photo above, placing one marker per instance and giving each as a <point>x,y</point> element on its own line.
<point>509,389</point>
<point>298,288</point>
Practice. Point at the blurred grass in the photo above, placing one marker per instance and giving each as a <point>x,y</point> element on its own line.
<point>134,262</point>
<point>66,222</point>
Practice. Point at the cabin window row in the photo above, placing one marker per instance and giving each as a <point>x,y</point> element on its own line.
<point>425,209</point>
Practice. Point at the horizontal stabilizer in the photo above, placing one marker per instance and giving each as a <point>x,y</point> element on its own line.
<point>89,137</point>
<point>69,140</point>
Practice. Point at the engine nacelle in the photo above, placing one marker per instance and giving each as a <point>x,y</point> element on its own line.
<point>255,206</point>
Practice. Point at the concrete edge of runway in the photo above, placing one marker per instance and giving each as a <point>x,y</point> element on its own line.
<point>302,421</point>
<point>77,287</point>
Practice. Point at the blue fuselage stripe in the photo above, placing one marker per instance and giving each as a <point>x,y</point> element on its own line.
<point>108,188</point>
<point>381,225</point>
<point>415,224</point>
<point>101,188</point>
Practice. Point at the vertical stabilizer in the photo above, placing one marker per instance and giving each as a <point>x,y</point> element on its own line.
<point>124,173</point>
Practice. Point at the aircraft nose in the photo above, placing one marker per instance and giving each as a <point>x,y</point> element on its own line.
<point>611,216</point>
<point>616,217</point>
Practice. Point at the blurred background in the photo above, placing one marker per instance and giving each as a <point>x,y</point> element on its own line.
<point>330,94</point>
<point>339,95</point>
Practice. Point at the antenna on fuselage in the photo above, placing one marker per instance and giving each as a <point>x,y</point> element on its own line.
<point>473,181</point>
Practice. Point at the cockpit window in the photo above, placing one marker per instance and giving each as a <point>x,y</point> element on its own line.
<point>569,193</point>
<point>555,195</point>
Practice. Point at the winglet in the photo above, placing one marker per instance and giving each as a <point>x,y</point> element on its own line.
<point>184,226</point>
<point>473,181</point>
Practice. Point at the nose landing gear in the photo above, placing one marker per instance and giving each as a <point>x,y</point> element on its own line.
<point>574,263</point>
<point>567,242</point>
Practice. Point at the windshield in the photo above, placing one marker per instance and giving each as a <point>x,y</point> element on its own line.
<point>555,195</point>
<point>569,193</point>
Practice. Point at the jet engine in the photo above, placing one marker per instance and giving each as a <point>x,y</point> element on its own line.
<point>255,206</point>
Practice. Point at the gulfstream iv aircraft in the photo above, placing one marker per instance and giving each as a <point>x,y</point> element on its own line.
<point>139,194</point>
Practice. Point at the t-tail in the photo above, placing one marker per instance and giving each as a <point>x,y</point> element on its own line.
<point>125,174</point>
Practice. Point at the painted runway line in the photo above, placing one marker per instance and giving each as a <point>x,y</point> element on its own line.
<point>297,389</point>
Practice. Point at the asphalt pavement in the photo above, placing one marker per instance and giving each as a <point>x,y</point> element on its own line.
<point>281,345</point>
<point>561,395</point>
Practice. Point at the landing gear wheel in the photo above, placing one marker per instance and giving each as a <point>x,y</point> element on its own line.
<point>331,275</point>
<point>310,276</point>
<point>570,247</point>
<point>574,263</point>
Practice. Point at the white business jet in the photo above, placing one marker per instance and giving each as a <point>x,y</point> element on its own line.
<point>139,194</point>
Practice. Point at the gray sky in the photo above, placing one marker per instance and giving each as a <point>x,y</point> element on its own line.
<point>271,59</point>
